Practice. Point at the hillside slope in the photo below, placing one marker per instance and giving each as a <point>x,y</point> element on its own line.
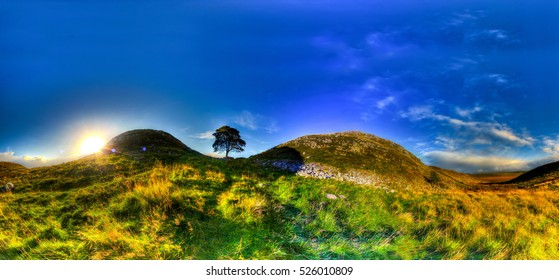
<point>9,169</point>
<point>148,142</point>
<point>357,157</point>
<point>125,155</point>
<point>544,174</point>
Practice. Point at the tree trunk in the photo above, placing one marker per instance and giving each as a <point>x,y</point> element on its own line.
<point>227,149</point>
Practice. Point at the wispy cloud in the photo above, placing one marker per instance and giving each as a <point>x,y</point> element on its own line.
<point>505,133</point>
<point>467,140</point>
<point>381,104</point>
<point>482,132</point>
<point>465,18</point>
<point>551,145</point>
<point>377,95</point>
<point>389,43</point>
<point>253,121</point>
<point>246,119</point>
<point>489,82</point>
<point>419,112</point>
<point>272,127</point>
<point>204,135</point>
<point>472,32</point>
<point>490,38</point>
<point>447,142</point>
<point>463,63</point>
<point>467,113</point>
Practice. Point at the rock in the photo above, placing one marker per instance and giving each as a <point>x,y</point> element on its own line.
<point>7,188</point>
<point>342,197</point>
<point>331,196</point>
<point>320,171</point>
<point>287,165</point>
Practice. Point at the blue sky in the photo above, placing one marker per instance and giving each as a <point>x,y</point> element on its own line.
<point>466,85</point>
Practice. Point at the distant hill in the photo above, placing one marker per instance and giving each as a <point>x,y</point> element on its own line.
<point>451,177</point>
<point>9,169</point>
<point>142,142</point>
<point>355,156</point>
<point>545,173</point>
<point>497,177</point>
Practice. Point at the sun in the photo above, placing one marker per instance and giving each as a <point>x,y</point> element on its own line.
<point>91,144</point>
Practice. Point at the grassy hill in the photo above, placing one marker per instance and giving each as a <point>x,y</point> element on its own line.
<point>359,157</point>
<point>140,143</point>
<point>348,150</point>
<point>544,174</point>
<point>9,169</point>
<point>125,206</point>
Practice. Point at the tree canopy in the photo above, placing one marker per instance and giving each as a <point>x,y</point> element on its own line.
<point>227,139</point>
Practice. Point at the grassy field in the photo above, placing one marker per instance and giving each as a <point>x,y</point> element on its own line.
<point>497,177</point>
<point>112,207</point>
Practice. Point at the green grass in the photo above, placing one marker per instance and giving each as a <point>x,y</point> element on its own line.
<point>113,207</point>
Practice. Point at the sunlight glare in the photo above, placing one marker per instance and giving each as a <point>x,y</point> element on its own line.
<point>91,145</point>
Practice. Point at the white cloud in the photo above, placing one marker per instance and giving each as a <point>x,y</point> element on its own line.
<point>417,113</point>
<point>471,163</point>
<point>204,135</point>
<point>476,163</point>
<point>506,134</point>
<point>10,156</point>
<point>480,141</point>
<point>467,113</point>
<point>490,132</point>
<point>477,146</point>
<point>551,146</point>
<point>447,142</point>
<point>31,161</point>
<point>456,122</point>
<point>381,104</point>
<point>482,132</point>
<point>215,155</point>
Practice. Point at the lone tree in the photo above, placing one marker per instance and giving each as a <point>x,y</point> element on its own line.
<point>228,139</point>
